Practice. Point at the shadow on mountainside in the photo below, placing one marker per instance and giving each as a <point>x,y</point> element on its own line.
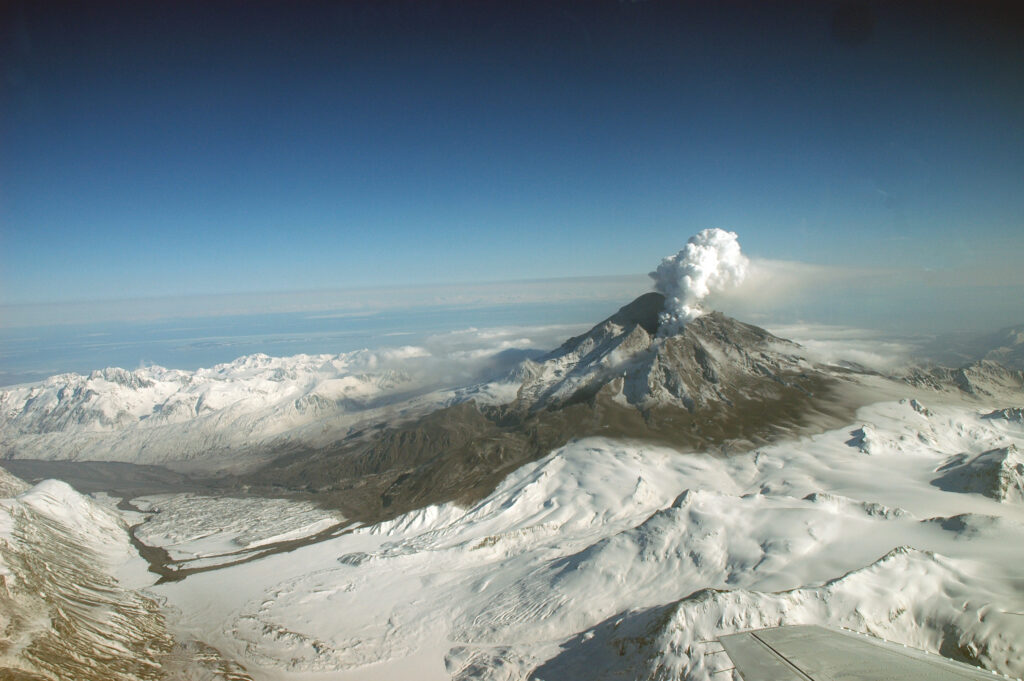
<point>720,385</point>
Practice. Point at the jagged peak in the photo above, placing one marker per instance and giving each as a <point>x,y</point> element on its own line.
<point>626,359</point>
<point>643,311</point>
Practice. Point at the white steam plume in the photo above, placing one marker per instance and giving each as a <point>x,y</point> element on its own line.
<point>710,261</point>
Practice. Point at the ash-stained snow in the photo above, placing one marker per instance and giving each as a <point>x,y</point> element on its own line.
<point>623,559</point>
<point>190,526</point>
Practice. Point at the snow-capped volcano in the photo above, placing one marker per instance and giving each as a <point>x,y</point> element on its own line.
<point>239,416</point>
<point>714,382</point>
<point>538,525</point>
<point>712,359</point>
<point>377,441</point>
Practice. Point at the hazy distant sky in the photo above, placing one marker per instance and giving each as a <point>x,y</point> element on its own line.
<point>179,148</point>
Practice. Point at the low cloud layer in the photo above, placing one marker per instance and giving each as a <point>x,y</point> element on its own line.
<point>830,344</point>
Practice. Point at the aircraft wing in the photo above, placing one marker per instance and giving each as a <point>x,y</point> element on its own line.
<point>812,653</point>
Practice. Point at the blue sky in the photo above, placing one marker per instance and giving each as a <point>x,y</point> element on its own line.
<point>178,149</point>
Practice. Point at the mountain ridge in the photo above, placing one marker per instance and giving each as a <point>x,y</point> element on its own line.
<point>327,428</point>
<point>718,384</point>
<point>688,369</point>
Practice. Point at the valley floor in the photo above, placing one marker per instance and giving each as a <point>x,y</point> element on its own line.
<point>609,559</point>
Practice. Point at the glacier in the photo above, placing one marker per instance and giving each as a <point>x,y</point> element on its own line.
<point>609,553</point>
<point>631,557</point>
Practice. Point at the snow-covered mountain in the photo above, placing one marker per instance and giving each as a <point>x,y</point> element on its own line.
<point>716,382</point>
<point>621,377</point>
<point>231,413</point>
<point>367,433</point>
<point>997,473</point>
<point>1006,346</point>
<point>980,379</point>
<point>606,511</point>
<point>713,360</point>
<point>609,560</point>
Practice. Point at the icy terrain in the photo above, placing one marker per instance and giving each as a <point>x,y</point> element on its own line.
<point>614,560</point>
<point>594,557</point>
<point>198,531</point>
<point>72,604</point>
<point>221,416</point>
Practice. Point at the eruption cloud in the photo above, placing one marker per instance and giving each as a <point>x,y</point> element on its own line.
<point>710,261</point>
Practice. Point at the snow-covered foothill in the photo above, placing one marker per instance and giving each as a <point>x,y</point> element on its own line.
<point>67,607</point>
<point>918,598</point>
<point>85,522</point>
<point>633,554</point>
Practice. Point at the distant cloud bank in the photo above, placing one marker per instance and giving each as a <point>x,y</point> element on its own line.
<point>331,303</point>
<point>771,292</point>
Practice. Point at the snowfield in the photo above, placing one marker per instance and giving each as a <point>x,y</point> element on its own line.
<point>608,560</point>
<point>71,603</point>
<point>219,417</point>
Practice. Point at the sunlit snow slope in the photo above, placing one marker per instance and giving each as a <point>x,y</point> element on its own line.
<point>206,417</point>
<point>608,560</point>
<point>72,600</point>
